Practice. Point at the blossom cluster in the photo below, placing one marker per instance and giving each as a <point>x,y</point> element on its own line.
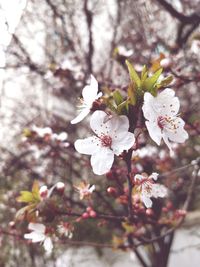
<point>115,134</point>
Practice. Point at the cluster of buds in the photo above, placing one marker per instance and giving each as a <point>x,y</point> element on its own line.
<point>89,213</point>
<point>46,193</point>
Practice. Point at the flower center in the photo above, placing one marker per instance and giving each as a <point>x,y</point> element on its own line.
<point>106,140</point>
<point>161,122</point>
<point>169,123</point>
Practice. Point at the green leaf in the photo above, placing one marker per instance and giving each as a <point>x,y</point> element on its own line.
<point>131,94</point>
<point>144,73</point>
<point>117,97</point>
<point>165,82</point>
<point>133,74</point>
<point>25,197</point>
<point>149,83</point>
<point>122,108</point>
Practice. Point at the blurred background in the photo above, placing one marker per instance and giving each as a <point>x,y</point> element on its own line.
<point>48,49</point>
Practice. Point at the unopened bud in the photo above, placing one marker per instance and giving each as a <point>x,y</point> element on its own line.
<point>92,214</point>
<point>89,209</point>
<point>110,175</point>
<point>112,191</point>
<point>169,205</point>
<point>149,212</point>
<point>60,187</point>
<point>166,63</point>
<point>43,191</point>
<point>164,209</point>
<point>12,224</point>
<point>85,215</point>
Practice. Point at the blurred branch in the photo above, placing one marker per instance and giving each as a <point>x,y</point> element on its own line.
<point>192,21</point>
<point>89,18</point>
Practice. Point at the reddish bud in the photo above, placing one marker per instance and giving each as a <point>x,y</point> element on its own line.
<point>92,214</point>
<point>164,209</point>
<point>169,205</point>
<point>112,191</point>
<point>181,212</point>
<point>89,209</point>
<point>110,175</point>
<point>60,187</point>
<point>12,224</point>
<point>149,212</point>
<point>43,191</point>
<point>85,215</point>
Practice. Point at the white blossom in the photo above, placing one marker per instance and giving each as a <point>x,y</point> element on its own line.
<point>38,234</point>
<point>84,189</point>
<point>111,138</point>
<point>90,94</point>
<point>163,120</point>
<point>147,188</point>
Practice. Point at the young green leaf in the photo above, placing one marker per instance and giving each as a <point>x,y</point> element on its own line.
<point>149,83</point>
<point>133,74</point>
<point>117,97</point>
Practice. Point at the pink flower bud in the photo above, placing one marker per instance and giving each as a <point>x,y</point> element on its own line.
<point>164,209</point>
<point>169,205</point>
<point>85,215</point>
<point>149,212</point>
<point>92,214</point>
<point>89,209</point>
<point>112,191</point>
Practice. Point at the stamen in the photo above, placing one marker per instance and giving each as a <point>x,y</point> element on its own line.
<point>106,140</point>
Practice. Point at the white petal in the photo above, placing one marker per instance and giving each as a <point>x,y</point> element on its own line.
<point>148,106</point>
<point>48,245</point>
<point>154,131</point>
<point>102,161</point>
<point>37,227</point>
<point>166,103</point>
<point>159,190</point>
<point>167,142</point>
<point>154,176</point>
<point>123,141</point>
<point>138,177</point>
<point>101,123</point>
<point>84,112</point>
<point>89,92</point>
<point>35,237</point>
<point>178,135</point>
<point>88,146</point>
<point>92,188</point>
<point>147,201</point>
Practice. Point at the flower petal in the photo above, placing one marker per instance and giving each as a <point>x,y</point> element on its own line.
<point>147,201</point>
<point>102,161</point>
<point>89,92</point>
<point>154,176</point>
<point>37,227</point>
<point>48,245</point>
<point>154,131</point>
<point>123,141</point>
<point>84,112</point>
<point>88,145</point>
<point>35,237</point>
<point>159,190</point>
<point>138,177</point>
<point>102,123</point>
<point>178,135</point>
